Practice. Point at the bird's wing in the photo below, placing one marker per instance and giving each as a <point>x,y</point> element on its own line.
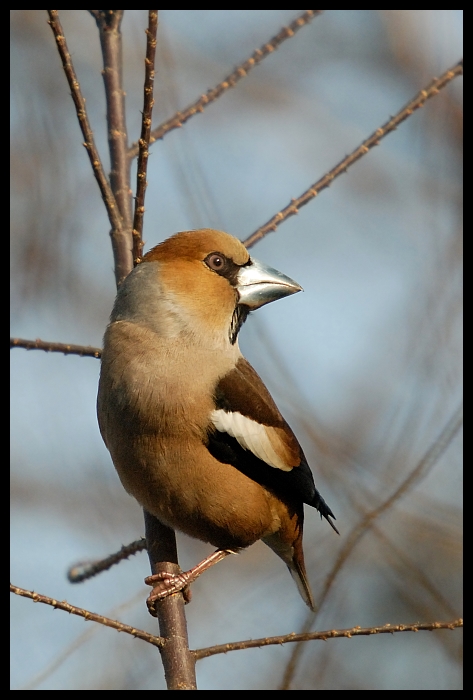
<point>249,432</point>
<point>246,411</point>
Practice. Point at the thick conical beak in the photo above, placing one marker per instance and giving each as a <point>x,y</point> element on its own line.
<point>259,284</point>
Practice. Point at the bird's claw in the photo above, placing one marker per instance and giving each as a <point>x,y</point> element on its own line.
<point>165,584</point>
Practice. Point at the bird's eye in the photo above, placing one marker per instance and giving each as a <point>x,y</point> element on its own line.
<point>216,261</point>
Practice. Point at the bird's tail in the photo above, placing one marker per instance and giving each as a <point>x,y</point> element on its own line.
<point>297,570</point>
<point>288,546</point>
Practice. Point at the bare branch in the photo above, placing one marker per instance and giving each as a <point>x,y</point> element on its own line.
<point>178,660</point>
<point>327,634</point>
<point>65,348</point>
<point>118,233</point>
<point>68,650</point>
<point>420,470</point>
<point>85,570</point>
<point>416,571</point>
<point>241,71</point>
<point>87,615</point>
<point>144,141</point>
<point>419,100</point>
<point>109,24</point>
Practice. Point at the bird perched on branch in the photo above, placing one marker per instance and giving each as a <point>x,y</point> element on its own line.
<point>193,432</point>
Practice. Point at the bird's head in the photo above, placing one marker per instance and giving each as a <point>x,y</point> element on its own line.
<point>199,281</point>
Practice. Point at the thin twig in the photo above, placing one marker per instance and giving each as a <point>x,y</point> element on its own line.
<point>327,634</point>
<point>416,571</point>
<point>87,615</point>
<point>241,71</point>
<point>144,141</point>
<point>293,208</point>
<point>68,650</point>
<point>420,470</point>
<point>109,26</point>
<point>85,570</point>
<point>65,348</point>
<point>118,233</point>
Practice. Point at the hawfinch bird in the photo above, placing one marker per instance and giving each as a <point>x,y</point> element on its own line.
<point>192,430</point>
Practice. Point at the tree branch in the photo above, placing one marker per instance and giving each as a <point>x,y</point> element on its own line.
<point>179,665</point>
<point>293,207</point>
<point>87,615</point>
<point>178,660</point>
<point>109,26</point>
<point>119,236</point>
<point>67,651</point>
<point>144,141</point>
<point>65,348</point>
<point>84,570</point>
<point>241,71</point>
<point>327,634</point>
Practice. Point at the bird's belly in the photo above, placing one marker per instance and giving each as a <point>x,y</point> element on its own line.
<point>189,490</point>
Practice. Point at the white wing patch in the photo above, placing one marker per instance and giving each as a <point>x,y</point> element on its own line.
<point>250,435</point>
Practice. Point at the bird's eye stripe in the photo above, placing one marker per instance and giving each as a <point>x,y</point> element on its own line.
<point>223,266</point>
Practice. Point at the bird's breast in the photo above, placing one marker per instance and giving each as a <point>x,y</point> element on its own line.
<point>154,408</point>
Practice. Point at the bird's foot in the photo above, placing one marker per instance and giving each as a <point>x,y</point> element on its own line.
<point>165,584</point>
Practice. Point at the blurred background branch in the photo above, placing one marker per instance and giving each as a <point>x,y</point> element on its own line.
<point>366,523</point>
<point>81,571</point>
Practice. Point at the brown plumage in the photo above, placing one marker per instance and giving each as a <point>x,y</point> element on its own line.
<point>193,432</point>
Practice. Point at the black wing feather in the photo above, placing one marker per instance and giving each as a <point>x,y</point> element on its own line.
<point>298,484</point>
<point>243,391</point>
